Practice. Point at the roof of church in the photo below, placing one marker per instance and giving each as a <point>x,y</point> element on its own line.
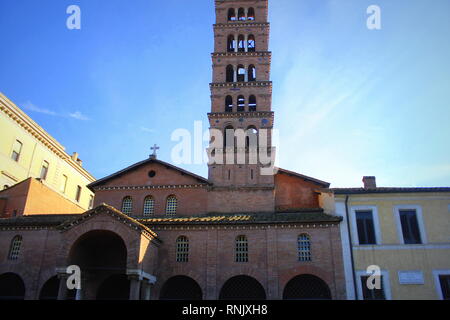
<point>40,220</point>
<point>306,178</point>
<point>142,163</point>
<point>389,190</point>
<point>65,221</point>
<point>305,216</point>
<point>110,210</point>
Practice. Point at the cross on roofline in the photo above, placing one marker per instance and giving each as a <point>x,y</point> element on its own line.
<point>154,148</point>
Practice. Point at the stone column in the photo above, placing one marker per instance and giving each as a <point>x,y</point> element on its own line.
<point>146,290</point>
<point>62,291</point>
<point>246,73</point>
<point>81,293</point>
<point>135,286</point>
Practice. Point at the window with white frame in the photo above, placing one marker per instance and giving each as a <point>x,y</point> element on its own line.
<point>91,201</point>
<point>17,149</point>
<point>365,226</point>
<point>410,227</point>
<point>442,283</point>
<point>44,170</point>
<point>410,224</point>
<point>304,247</point>
<point>182,249</point>
<point>63,183</point>
<point>373,293</point>
<point>14,248</point>
<point>370,289</point>
<point>78,194</point>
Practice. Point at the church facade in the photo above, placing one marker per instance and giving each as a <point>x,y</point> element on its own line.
<point>248,231</point>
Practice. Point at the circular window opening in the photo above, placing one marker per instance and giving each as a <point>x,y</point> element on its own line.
<point>151,174</point>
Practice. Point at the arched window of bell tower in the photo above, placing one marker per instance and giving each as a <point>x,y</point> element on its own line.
<point>231,14</point>
<point>240,73</point>
<point>252,103</point>
<point>251,14</point>
<point>241,43</point>
<point>241,14</point>
<point>231,44</point>
<point>230,73</point>
<point>251,43</point>
<point>251,73</point>
<point>241,104</point>
<point>229,104</point>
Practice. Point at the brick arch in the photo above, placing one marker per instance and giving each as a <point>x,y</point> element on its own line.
<point>194,286</point>
<point>182,272</point>
<point>46,274</point>
<point>239,290</point>
<point>25,273</point>
<point>21,272</point>
<point>43,281</point>
<point>327,276</point>
<point>23,283</point>
<point>131,239</point>
<point>243,271</point>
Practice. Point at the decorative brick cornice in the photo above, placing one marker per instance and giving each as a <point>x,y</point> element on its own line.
<point>26,228</point>
<point>254,114</point>
<point>241,84</point>
<point>248,226</point>
<point>242,54</point>
<point>241,189</point>
<point>148,187</point>
<point>237,24</point>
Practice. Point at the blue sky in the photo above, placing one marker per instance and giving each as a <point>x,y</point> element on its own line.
<point>348,101</point>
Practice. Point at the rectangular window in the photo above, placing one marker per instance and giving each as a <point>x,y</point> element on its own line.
<point>64,183</point>
<point>365,226</point>
<point>241,249</point>
<point>78,195</point>
<point>17,149</point>
<point>445,286</point>
<point>410,227</point>
<point>44,170</point>
<point>91,201</point>
<point>372,294</point>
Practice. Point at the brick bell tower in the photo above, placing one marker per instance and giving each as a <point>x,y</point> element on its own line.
<point>241,98</point>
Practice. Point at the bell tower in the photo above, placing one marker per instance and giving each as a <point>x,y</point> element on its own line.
<point>241,111</point>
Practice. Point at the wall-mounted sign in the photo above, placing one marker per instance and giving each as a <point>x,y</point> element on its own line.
<point>410,277</point>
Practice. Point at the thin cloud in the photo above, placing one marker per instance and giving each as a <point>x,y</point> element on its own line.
<point>31,107</point>
<point>145,129</point>
<point>79,116</point>
<point>74,115</point>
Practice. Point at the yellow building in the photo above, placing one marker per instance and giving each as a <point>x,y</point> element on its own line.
<point>27,150</point>
<point>404,231</point>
